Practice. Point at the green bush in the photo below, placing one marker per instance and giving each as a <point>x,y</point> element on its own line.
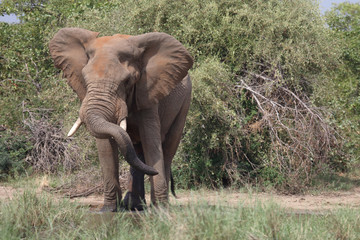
<point>13,151</point>
<point>342,93</point>
<point>216,149</point>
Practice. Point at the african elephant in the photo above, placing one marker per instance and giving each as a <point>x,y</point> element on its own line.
<point>135,93</point>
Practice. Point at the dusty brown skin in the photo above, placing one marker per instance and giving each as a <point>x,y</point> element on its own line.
<point>142,79</point>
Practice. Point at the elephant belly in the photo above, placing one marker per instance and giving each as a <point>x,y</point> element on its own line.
<point>133,130</point>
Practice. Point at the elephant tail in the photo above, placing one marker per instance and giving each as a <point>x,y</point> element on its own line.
<point>172,185</point>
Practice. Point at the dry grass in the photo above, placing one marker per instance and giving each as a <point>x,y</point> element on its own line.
<point>85,182</point>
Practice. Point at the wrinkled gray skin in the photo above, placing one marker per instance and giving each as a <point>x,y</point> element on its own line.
<point>142,79</point>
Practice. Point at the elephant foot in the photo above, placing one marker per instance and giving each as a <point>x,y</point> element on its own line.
<point>164,204</point>
<point>108,208</point>
<point>133,203</point>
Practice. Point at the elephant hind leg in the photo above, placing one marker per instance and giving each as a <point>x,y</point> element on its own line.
<point>173,137</point>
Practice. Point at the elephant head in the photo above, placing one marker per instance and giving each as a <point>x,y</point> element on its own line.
<point>109,74</point>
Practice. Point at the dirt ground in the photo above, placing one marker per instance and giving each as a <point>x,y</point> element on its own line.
<point>294,203</point>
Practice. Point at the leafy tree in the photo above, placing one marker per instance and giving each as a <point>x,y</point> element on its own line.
<point>343,92</point>
<point>344,20</point>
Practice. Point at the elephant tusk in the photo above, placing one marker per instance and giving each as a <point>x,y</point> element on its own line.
<point>75,127</point>
<point>123,124</point>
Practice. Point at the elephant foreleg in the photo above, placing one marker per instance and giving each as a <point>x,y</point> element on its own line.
<point>108,157</point>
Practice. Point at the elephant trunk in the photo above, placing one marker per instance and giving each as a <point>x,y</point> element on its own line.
<point>98,115</point>
<point>101,128</point>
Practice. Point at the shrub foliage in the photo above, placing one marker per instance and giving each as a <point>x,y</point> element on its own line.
<point>343,92</point>
<point>13,151</point>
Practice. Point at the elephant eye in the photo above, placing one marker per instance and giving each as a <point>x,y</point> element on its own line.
<point>89,53</point>
<point>124,55</point>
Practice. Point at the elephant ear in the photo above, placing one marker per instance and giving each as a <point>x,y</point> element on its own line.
<point>67,49</point>
<point>164,63</point>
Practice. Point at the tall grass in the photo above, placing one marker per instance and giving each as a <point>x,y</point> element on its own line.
<point>34,216</point>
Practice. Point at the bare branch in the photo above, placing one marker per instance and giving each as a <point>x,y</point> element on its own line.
<point>300,137</point>
<point>52,149</point>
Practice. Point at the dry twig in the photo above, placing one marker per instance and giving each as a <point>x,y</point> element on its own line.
<point>300,137</point>
<point>52,150</point>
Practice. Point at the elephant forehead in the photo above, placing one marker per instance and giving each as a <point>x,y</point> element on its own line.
<point>121,36</point>
<point>108,41</point>
<point>113,45</point>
